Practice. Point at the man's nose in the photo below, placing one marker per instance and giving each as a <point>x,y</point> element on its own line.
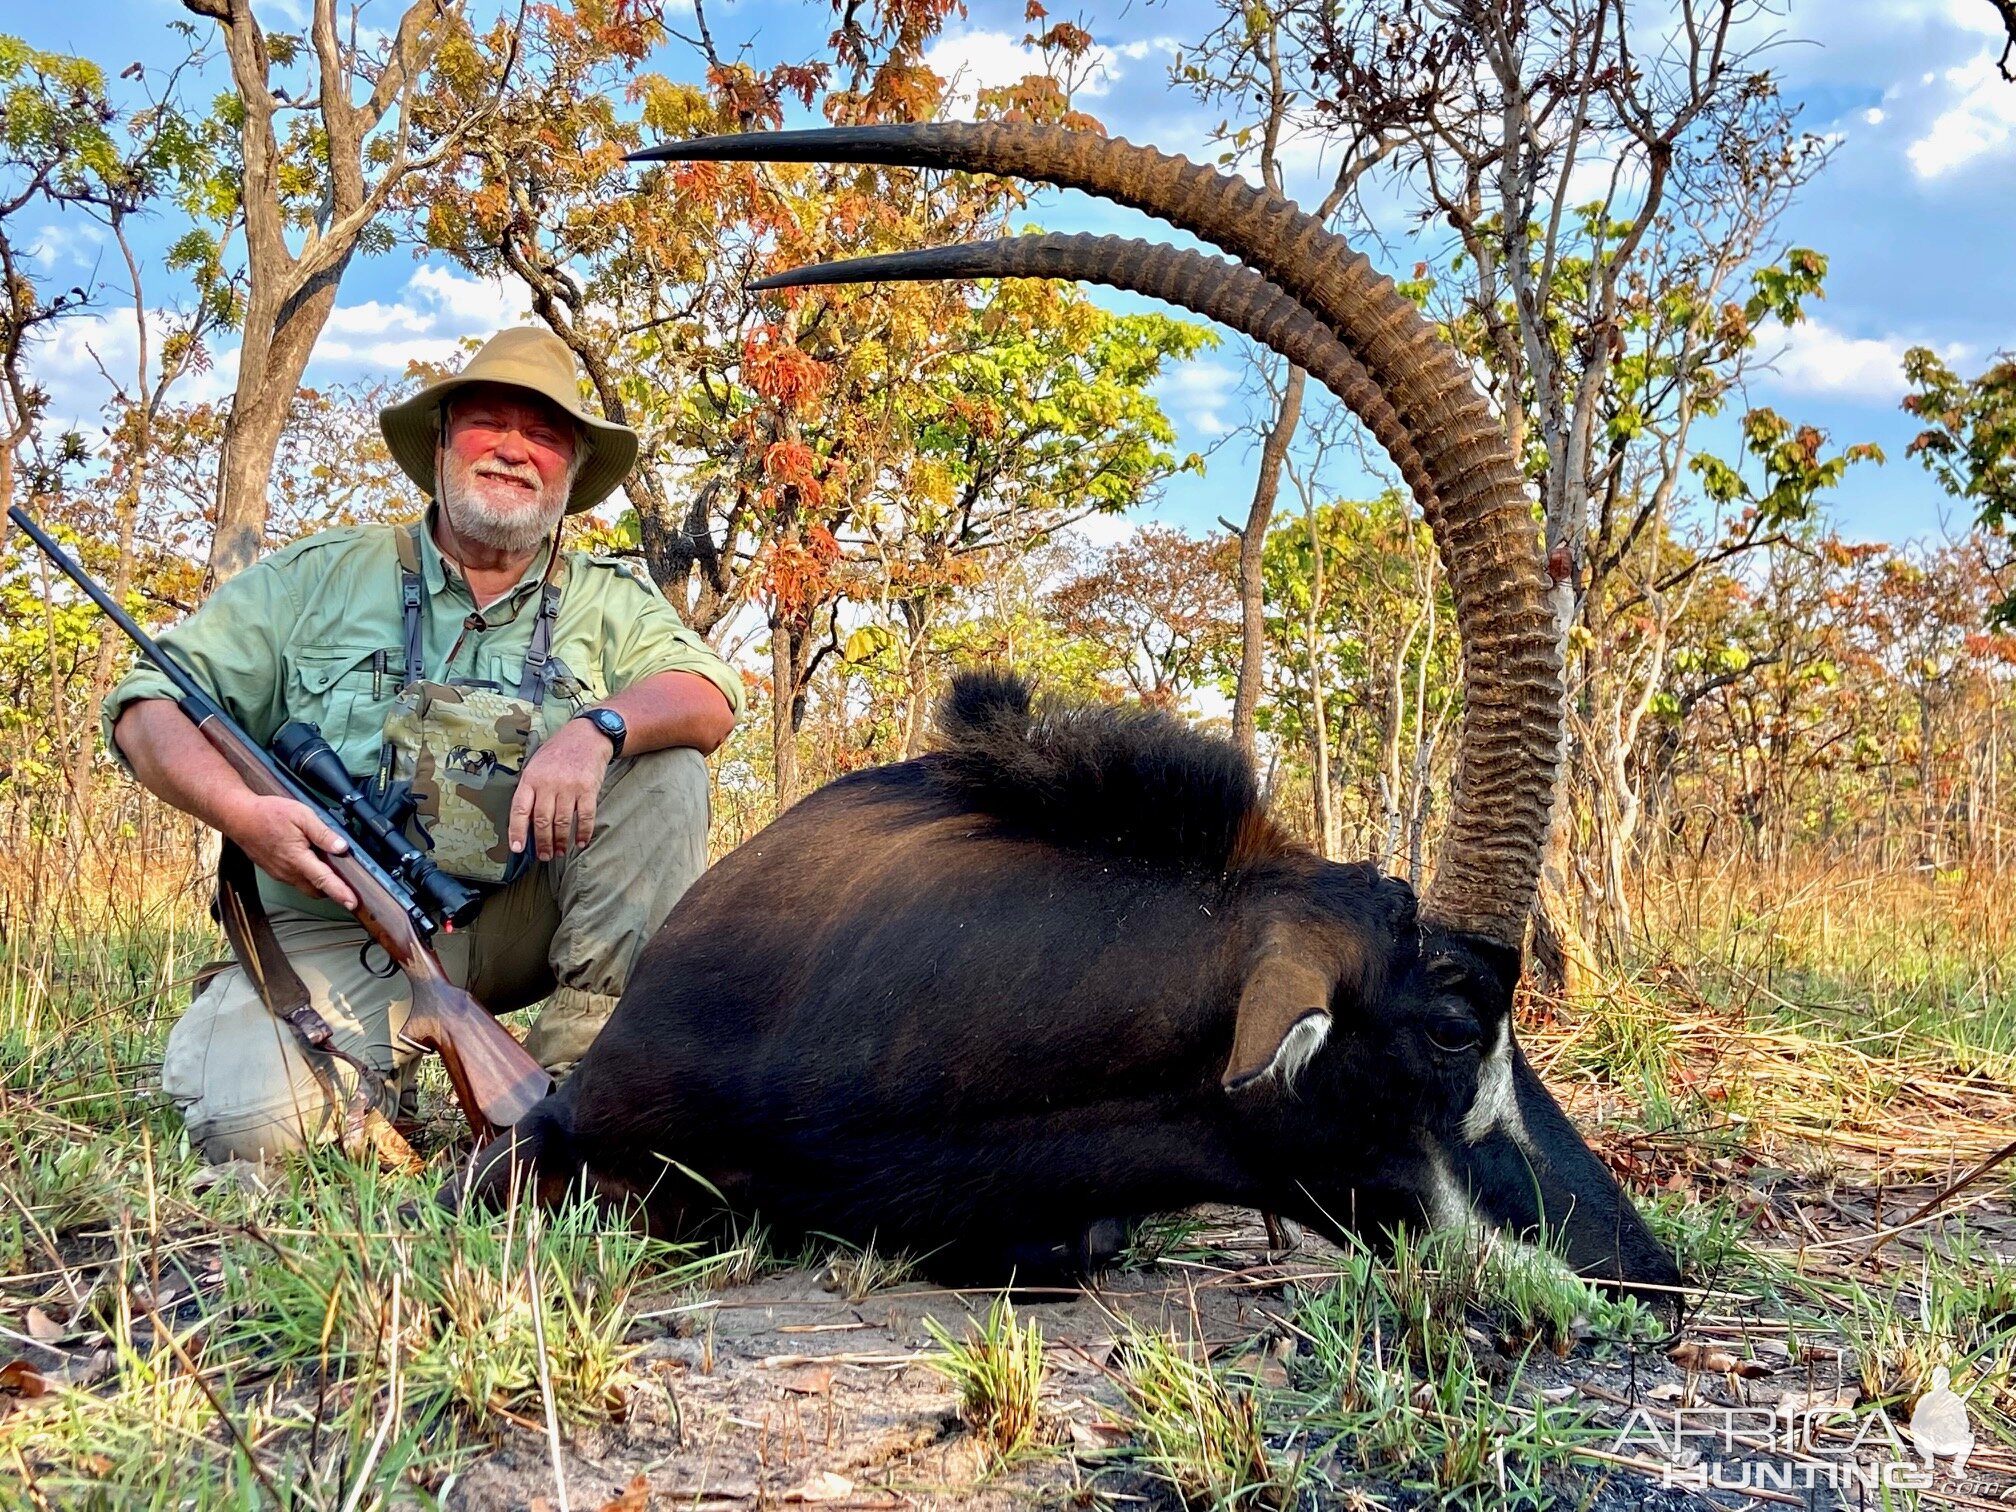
<point>511,445</point>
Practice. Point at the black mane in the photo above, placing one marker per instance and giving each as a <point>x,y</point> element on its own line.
<point>1091,776</point>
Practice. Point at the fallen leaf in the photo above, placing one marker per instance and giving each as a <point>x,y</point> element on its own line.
<point>233,1175</point>
<point>635,1497</point>
<point>1555,1393</point>
<point>95,1464</point>
<point>1099,1437</point>
<point>809,1380</point>
<point>822,1487</point>
<point>1667,1391</point>
<point>1709,1359</point>
<point>42,1328</point>
<point>88,1371</point>
<point>19,1378</point>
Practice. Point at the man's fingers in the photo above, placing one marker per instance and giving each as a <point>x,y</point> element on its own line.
<point>521,815</point>
<point>321,836</point>
<point>318,874</point>
<point>544,821</point>
<point>584,822</point>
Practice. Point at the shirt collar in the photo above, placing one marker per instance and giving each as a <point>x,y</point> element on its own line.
<point>435,571</point>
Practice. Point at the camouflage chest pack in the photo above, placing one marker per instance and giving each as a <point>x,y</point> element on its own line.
<point>455,749</point>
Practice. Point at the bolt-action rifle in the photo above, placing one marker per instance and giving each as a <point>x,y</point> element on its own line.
<point>402,896</point>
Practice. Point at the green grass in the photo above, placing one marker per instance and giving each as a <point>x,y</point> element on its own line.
<point>340,1340</point>
<point>1204,1434</point>
<point>997,1367</point>
<point>334,1339</point>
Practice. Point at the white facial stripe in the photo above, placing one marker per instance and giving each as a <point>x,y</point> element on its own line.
<point>1448,1206</point>
<point>1298,1047</point>
<point>1497,1104</point>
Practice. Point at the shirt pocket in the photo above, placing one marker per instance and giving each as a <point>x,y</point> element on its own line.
<point>346,690</point>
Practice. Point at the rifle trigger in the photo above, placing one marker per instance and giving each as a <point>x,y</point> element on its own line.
<point>364,959</point>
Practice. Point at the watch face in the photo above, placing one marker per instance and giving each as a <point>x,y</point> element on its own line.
<point>608,721</point>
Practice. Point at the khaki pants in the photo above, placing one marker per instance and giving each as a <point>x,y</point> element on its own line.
<point>570,929</point>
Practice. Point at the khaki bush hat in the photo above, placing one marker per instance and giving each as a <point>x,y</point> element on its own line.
<point>523,357</point>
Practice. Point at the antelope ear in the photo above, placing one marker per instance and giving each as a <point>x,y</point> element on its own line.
<point>1284,1015</point>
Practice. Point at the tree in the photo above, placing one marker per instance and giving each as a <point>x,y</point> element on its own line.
<point>1362,667</point>
<point>57,151</point>
<point>1969,445</point>
<point>1258,64</point>
<point>1163,601</point>
<point>1614,186</point>
<point>70,151</point>
<point>317,164</point>
<point>804,448</point>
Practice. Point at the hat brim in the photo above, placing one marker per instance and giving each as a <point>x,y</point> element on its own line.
<point>412,428</point>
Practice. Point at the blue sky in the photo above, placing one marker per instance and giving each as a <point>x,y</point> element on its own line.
<point>1914,212</point>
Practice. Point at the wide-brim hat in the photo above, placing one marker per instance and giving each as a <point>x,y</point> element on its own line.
<point>523,357</point>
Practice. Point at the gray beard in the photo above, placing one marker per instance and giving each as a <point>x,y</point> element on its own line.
<point>516,534</point>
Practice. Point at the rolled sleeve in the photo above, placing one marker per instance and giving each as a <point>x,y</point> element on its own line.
<point>653,639</point>
<point>231,646</point>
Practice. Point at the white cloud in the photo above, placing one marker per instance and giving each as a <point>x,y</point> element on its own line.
<point>970,61</point>
<point>1103,529</point>
<point>1872,117</point>
<point>439,308</point>
<point>1200,396</point>
<point>67,365</point>
<point>1978,120</point>
<point>1815,358</point>
<point>74,241</point>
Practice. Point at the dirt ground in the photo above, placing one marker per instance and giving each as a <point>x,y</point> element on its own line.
<point>784,1393</point>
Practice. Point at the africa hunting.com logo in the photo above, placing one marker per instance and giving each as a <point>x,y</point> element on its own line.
<point>1800,1448</point>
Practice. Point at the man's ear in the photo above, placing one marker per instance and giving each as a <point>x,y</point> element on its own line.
<point>1284,1010</point>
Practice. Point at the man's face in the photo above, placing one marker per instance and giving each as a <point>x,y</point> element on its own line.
<point>507,461</point>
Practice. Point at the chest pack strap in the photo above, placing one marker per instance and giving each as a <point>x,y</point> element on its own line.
<point>536,678</point>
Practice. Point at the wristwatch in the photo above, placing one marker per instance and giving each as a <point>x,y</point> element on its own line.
<point>610,723</point>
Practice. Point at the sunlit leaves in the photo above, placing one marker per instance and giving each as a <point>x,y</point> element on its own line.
<point>1969,439</point>
<point>1796,470</point>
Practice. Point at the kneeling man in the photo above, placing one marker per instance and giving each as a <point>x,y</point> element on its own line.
<point>546,711</point>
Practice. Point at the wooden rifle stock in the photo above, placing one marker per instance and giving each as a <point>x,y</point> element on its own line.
<point>496,1080</point>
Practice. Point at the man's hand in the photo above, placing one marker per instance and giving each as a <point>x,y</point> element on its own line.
<point>554,805</point>
<point>287,841</point>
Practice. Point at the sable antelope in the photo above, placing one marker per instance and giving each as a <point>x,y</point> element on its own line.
<point>1063,970</point>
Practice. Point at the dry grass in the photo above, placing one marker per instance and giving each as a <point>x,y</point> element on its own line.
<point>1787,1064</point>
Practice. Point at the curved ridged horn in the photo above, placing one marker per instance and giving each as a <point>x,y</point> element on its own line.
<point>1209,286</point>
<point>1489,864</point>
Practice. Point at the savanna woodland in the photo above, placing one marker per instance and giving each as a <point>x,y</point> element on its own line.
<point>1771,972</point>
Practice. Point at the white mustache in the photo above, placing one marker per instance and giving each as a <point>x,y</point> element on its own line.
<point>522,473</point>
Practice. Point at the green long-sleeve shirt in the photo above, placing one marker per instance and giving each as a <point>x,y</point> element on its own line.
<point>313,632</point>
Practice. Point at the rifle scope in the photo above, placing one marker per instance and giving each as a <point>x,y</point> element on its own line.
<point>302,750</point>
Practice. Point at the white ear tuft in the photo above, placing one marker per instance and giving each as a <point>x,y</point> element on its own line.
<point>1291,1057</point>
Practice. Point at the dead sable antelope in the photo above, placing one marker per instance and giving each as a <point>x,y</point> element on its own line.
<point>1062,970</point>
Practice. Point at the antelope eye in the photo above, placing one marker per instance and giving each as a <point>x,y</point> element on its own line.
<point>1453,1036</point>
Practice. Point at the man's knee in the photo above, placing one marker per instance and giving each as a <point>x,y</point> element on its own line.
<point>247,1088</point>
<point>665,792</point>
<point>650,844</point>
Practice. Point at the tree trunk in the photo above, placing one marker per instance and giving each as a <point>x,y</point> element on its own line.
<point>289,294</point>
<point>1252,546</point>
<point>269,375</point>
<point>783,695</point>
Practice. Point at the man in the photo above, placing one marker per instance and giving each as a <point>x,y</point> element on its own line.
<point>372,631</point>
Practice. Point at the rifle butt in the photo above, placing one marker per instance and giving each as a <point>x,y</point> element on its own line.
<point>496,1080</point>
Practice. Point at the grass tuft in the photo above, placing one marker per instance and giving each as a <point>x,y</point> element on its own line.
<point>998,1369</point>
<point>1203,1435</point>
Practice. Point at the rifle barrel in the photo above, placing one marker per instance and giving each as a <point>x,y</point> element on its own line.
<point>201,708</point>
